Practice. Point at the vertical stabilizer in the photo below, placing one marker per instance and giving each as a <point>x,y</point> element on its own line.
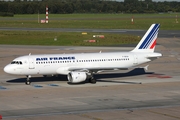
<point>148,41</point>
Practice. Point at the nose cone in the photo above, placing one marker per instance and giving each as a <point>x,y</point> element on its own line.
<point>8,69</point>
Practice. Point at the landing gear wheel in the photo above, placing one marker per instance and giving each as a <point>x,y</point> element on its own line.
<point>91,78</point>
<point>28,82</point>
<point>93,81</point>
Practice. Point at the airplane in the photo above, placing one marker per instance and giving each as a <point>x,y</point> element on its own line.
<point>81,67</point>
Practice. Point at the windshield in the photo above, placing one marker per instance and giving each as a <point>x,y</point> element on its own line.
<point>16,62</point>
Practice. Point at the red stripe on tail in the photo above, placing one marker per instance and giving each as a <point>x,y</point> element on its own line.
<point>152,46</point>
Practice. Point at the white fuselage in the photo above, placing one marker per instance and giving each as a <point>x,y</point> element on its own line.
<point>64,63</point>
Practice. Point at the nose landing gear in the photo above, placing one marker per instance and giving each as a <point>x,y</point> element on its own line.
<point>28,82</point>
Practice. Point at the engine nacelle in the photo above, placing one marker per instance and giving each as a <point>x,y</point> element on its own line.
<point>76,77</point>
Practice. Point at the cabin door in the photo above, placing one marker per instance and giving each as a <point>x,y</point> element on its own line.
<point>135,60</point>
<point>31,63</point>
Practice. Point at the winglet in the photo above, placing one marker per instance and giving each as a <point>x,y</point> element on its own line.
<point>148,41</point>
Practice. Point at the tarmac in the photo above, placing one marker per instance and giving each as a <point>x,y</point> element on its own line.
<point>119,95</point>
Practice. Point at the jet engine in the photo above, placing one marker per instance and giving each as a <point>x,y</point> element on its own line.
<point>76,77</point>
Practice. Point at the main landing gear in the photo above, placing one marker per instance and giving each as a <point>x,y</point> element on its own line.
<point>90,77</point>
<point>28,82</point>
<point>92,80</point>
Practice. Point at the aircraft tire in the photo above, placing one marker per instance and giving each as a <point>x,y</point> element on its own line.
<point>93,81</point>
<point>27,82</point>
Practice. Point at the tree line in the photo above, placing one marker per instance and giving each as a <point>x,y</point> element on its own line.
<point>86,6</point>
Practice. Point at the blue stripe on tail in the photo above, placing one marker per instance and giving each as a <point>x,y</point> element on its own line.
<point>153,37</point>
<point>150,37</point>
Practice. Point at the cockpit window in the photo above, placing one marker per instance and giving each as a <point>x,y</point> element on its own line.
<point>16,62</point>
<point>13,62</point>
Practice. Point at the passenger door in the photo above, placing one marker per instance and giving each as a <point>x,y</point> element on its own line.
<point>135,60</point>
<point>31,63</point>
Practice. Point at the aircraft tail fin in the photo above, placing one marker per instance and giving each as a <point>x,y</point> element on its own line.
<point>148,41</point>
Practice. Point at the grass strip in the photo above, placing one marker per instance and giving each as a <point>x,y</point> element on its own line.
<point>64,38</point>
<point>98,21</point>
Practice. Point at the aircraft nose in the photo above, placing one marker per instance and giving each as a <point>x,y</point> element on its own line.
<point>7,69</point>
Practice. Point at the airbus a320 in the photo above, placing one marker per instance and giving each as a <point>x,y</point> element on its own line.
<point>82,67</point>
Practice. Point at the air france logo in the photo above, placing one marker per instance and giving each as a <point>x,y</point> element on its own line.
<point>55,58</point>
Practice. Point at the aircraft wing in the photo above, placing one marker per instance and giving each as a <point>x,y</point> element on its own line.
<point>94,69</point>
